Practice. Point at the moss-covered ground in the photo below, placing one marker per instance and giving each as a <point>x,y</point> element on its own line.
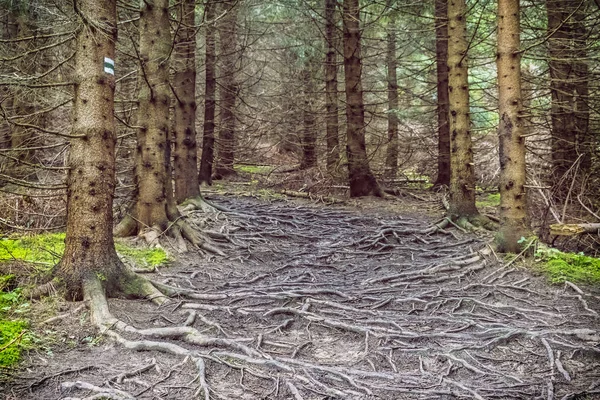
<point>560,267</point>
<point>22,258</point>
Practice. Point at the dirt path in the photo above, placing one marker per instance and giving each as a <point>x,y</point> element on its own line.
<point>324,303</point>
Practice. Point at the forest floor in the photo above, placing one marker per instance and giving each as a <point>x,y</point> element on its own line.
<point>339,301</point>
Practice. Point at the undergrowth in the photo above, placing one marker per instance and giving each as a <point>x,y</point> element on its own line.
<point>490,200</point>
<point>43,251</point>
<point>48,248</point>
<point>576,268</point>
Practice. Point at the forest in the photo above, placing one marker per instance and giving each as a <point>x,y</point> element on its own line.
<point>300,199</point>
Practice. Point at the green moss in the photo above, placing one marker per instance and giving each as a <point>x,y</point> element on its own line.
<point>576,268</point>
<point>9,331</point>
<point>48,248</point>
<point>45,248</point>
<point>490,200</point>
<point>253,169</point>
<point>142,256</point>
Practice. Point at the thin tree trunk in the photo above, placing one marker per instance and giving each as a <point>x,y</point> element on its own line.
<point>462,177</point>
<point>309,134</point>
<point>362,181</point>
<point>228,91</point>
<point>89,248</point>
<point>331,83</point>
<point>391,160</point>
<point>513,205</point>
<point>562,87</point>
<point>184,88</point>
<point>153,116</point>
<point>208,138</point>
<point>441,52</point>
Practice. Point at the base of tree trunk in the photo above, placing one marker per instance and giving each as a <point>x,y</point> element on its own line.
<point>178,229</point>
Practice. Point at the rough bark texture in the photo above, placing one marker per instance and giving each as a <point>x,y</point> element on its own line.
<point>331,83</point>
<point>462,180</point>
<point>391,160</point>
<point>184,87</point>
<point>441,54</point>
<point>89,248</point>
<point>309,133</point>
<point>228,90</point>
<point>568,85</point>
<point>362,181</point>
<point>153,116</point>
<point>208,138</point>
<point>21,137</point>
<point>513,204</point>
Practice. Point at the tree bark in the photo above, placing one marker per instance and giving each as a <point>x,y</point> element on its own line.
<point>208,138</point>
<point>153,116</point>
<point>309,134</point>
<point>331,89</point>
<point>184,88</point>
<point>462,178</point>
<point>228,91</point>
<point>514,223</point>
<point>89,248</point>
<point>441,52</point>
<point>568,85</point>
<point>391,160</point>
<point>362,181</point>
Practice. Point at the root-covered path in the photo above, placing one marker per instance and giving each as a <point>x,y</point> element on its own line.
<point>324,303</point>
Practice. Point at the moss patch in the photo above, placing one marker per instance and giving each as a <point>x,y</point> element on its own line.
<point>47,249</point>
<point>576,268</point>
<point>489,200</point>
<point>13,340</point>
<point>253,169</point>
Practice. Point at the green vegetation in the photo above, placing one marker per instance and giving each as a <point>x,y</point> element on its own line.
<point>13,340</point>
<point>14,336</point>
<point>576,268</point>
<point>490,200</point>
<point>47,249</point>
<point>253,169</point>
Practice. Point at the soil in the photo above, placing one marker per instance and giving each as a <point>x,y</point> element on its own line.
<point>338,302</point>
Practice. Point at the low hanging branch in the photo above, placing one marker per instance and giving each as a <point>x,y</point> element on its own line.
<point>574,229</point>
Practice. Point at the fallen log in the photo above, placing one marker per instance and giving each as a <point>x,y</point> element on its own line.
<point>573,229</point>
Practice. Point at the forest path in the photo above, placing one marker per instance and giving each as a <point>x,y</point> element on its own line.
<point>332,303</point>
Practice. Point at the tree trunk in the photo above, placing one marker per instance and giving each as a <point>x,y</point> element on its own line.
<point>228,91</point>
<point>89,248</point>
<point>309,134</point>
<point>153,116</point>
<point>184,88</point>
<point>441,54</point>
<point>513,205</point>
<point>362,181</point>
<point>568,85</point>
<point>23,137</point>
<point>391,160</point>
<point>331,88</point>
<point>208,138</point>
<point>462,178</point>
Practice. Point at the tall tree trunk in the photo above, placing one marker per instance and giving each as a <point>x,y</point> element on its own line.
<point>362,181</point>
<point>153,116</point>
<point>513,204</point>
<point>184,88</point>
<point>89,248</point>
<point>208,138</point>
<point>391,160</point>
<point>228,91</point>
<point>462,178</point>
<point>23,137</point>
<point>441,54</point>
<point>568,84</point>
<point>309,134</point>
<point>331,83</point>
